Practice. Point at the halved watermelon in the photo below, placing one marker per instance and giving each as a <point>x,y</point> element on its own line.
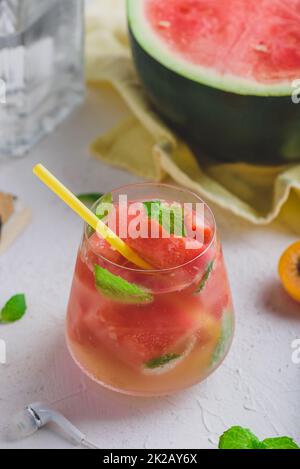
<point>222,72</point>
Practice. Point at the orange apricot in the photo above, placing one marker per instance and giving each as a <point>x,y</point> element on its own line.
<point>289,270</point>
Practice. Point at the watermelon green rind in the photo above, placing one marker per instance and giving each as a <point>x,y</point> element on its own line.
<point>143,33</point>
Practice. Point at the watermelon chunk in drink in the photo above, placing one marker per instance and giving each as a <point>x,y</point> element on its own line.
<point>166,251</point>
<point>136,336</point>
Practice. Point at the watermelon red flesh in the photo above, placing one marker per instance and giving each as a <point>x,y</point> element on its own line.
<point>257,40</point>
<point>136,334</point>
<point>100,247</point>
<point>161,253</point>
<point>165,253</point>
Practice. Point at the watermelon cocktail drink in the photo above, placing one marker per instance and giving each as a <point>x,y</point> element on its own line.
<point>157,330</point>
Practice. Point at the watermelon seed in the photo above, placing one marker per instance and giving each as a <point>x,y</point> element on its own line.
<point>261,48</point>
<point>164,24</point>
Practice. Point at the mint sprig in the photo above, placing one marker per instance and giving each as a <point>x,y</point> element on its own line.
<point>243,438</point>
<point>105,206</point>
<point>169,216</point>
<point>89,198</point>
<point>14,309</point>
<point>239,438</point>
<point>118,289</point>
<point>205,277</point>
<point>282,442</point>
<point>227,330</point>
<point>161,361</point>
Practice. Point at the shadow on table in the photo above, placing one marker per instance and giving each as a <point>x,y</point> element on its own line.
<point>278,302</point>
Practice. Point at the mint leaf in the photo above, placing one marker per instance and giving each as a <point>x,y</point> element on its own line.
<point>153,208</point>
<point>169,216</point>
<point>243,438</point>
<point>161,361</point>
<point>176,214</point>
<point>14,309</point>
<point>239,438</point>
<point>205,277</point>
<point>225,338</point>
<point>283,442</point>
<point>89,198</point>
<point>118,289</point>
<point>105,206</point>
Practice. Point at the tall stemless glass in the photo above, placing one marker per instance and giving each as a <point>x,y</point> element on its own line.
<point>151,332</point>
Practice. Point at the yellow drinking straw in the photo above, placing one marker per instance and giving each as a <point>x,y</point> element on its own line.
<point>88,216</point>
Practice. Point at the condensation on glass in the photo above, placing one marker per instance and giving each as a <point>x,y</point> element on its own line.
<point>41,69</point>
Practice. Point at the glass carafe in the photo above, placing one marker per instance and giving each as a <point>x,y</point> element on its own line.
<point>41,69</point>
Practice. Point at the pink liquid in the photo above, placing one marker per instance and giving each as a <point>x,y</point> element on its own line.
<point>121,345</point>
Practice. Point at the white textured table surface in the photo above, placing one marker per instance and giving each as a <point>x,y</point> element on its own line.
<point>258,386</point>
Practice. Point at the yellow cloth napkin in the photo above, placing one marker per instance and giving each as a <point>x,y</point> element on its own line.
<point>144,145</point>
